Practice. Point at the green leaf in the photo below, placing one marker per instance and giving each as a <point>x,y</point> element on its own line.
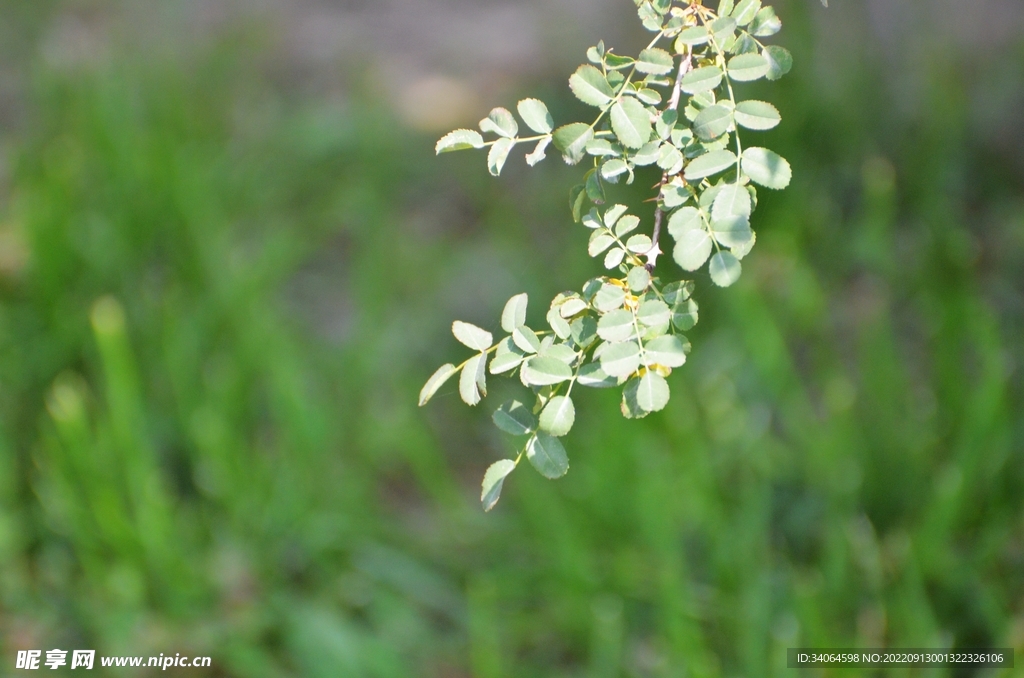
<point>630,407</point>
<point>498,155</point>
<point>673,195</point>
<point>765,23</point>
<point>712,122</point>
<point>514,313</point>
<point>725,269</point>
<point>732,200</point>
<point>670,159</point>
<point>459,140</point>
<point>472,336</point>
<point>436,381</point>
<point>723,28</point>
<point>472,381</point>
<point>709,163</point>
<point>539,152</point>
<point>558,324</point>
<point>547,455</point>
<point>613,168</point>
<point>602,148</point>
<point>747,67</point>
<point>571,307</point>
<point>648,154</point>
<point>599,242</point>
<point>652,392</point>
<point>616,326</point>
<point>639,243</point>
<point>595,190</point>
<point>504,362</point>
<point>622,359</point>
<point>695,35</point>
<point>654,312</point>
<point>609,298</point>
<point>780,61</point>
<point>590,86</point>
<point>757,115</point>
<point>745,11</point>
<point>561,352</point>
<point>732,231</point>
<point>577,200</point>
<point>667,350</point>
<point>631,122</point>
<point>638,279</point>
<point>558,416</point>
<point>701,79</point>
<point>592,376</point>
<point>536,116</point>
<point>626,225</point>
<point>526,339</point>
<point>654,60</point>
<point>572,140</point>
<point>583,331</point>
<point>515,419</point>
<point>767,168</point>
<point>692,249</point>
<point>501,122</point>
<point>614,257</point>
<point>649,96</point>
<point>683,220</point>
<point>494,478</point>
<point>684,314</point>
<point>545,371</point>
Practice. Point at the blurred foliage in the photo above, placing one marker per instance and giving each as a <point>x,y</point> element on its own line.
<point>219,298</point>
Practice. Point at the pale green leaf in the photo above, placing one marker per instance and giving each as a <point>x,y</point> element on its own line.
<point>654,312</point>
<point>612,215</point>
<point>724,268</point>
<point>766,167</point>
<point>748,67</point>
<point>757,115</point>
<point>732,231</point>
<point>765,23</point>
<point>616,326</point>
<point>638,279</point>
<point>654,60</point>
<point>599,242</point>
<point>501,122</point>
<point>472,381</point>
<point>558,324</point>
<point>745,11</point>
<point>505,362</point>
<point>732,200</point>
<point>780,61</point>
<point>583,331</point>
<point>639,243</point>
<point>592,376</point>
<point>498,154</point>
<point>539,152</point>
<point>712,122</point>
<point>472,336</point>
<point>692,249</point>
<point>667,350</point>
<point>536,116</point>
<point>547,455</point>
<point>613,168</point>
<point>544,371</point>
<point>709,163</point>
<point>494,478</point>
<point>723,28</point>
<point>631,122</point>
<point>514,313</point>
<point>571,307</point>
<point>683,220</point>
<point>525,339</point>
<point>701,79</point>
<point>614,257</point>
<point>572,140</point>
<point>436,381</point>
<point>458,140</point>
<point>561,352</point>
<point>648,154</point>
<point>622,359</point>
<point>626,225</point>
<point>558,416</point>
<point>652,392</point>
<point>590,86</point>
<point>609,298</point>
<point>695,35</point>
<point>515,419</point>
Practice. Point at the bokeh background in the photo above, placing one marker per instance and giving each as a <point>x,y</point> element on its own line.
<point>229,259</point>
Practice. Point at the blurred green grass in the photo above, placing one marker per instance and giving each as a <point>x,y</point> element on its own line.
<point>217,304</point>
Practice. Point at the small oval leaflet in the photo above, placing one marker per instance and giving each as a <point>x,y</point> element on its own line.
<point>558,416</point>
<point>547,455</point>
<point>494,478</point>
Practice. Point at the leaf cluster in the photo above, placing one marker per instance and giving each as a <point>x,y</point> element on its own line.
<point>672,108</point>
